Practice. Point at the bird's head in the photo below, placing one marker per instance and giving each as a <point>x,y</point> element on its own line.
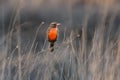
<point>54,24</point>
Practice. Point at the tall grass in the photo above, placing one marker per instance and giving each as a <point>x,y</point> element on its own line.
<point>98,61</point>
<point>75,58</point>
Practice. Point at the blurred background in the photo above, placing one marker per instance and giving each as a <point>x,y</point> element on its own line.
<point>72,14</point>
<point>88,47</point>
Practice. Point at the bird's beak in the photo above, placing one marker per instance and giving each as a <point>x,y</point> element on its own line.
<point>58,24</point>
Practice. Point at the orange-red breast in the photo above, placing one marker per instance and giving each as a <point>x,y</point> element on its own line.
<point>53,34</point>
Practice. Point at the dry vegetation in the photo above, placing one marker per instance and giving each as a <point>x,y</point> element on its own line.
<point>76,57</point>
<point>100,60</point>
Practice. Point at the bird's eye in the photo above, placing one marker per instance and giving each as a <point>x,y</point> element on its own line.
<point>54,24</point>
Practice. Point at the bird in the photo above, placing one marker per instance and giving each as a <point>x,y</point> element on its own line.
<point>52,34</point>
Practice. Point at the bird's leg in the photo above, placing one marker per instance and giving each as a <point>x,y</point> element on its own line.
<point>51,46</point>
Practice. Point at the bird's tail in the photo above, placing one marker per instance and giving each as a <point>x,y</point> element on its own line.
<point>51,46</point>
